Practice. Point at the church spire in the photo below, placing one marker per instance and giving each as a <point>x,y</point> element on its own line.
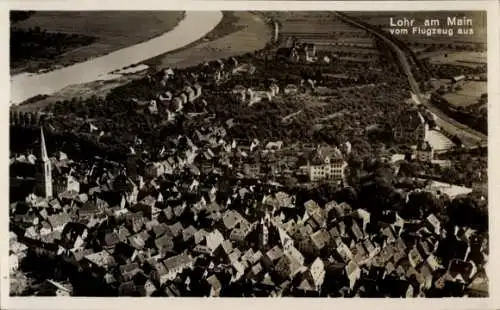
<point>43,148</point>
<point>43,170</point>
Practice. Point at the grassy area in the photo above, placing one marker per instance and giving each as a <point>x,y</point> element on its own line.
<point>113,30</point>
<point>467,95</point>
<point>478,24</point>
<point>239,32</point>
<point>472,59</point>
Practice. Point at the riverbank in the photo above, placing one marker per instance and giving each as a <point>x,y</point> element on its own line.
<point>251,31</point>
<point>109,30</point>
<point>194,26</point>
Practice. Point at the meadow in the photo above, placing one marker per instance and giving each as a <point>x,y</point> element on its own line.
<point>468,95</point>
<point>112,31</point>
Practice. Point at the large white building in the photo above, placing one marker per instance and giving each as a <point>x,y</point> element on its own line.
<point>326,163</point>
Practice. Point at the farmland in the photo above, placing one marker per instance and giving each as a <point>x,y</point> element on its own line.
<point>112,31</point>
<point>239,32</point>
<point>326,29</point>
<point>472,59</point>
<point>329,34</point>
<point>381,19</point>
<point>468,95</point>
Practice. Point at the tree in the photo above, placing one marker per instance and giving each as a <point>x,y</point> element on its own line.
<point>421,204</point>
<point>17,16</point>
<point>469,211</point>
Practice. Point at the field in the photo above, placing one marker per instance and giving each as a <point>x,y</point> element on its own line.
<point>328,33</point>
<point>479,27</point>
<point>468,95</point>
<point>472,59</point>
<point>113,29</point>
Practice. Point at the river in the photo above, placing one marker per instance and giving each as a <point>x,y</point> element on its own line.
<point>194,26</point>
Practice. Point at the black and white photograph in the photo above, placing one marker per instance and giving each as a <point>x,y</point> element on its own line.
<point>248,153</point>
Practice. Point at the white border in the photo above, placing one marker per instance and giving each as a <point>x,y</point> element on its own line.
<point>122,303</point>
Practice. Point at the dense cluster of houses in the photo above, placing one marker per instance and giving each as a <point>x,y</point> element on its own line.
<point>181,231</point>
<point>208,219</point>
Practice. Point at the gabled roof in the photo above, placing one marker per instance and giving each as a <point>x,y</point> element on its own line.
<point>111,239</point>
<point>177,261</point>
<point>101,259</point>
<point>351,267</point>
<point>59,219</point>
<point>160,229</point>
<point>176,229</point>
<point>137,241</point>
<point>275,253</point>
<point>188,233</point>
<point>320,239</point>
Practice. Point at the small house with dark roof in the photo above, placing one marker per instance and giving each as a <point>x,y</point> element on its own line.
<point>411,127</point>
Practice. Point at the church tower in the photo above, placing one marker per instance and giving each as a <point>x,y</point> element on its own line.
<point>43,170</point>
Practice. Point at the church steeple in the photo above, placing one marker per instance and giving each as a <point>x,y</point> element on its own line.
<point>43,170</point>
<point>43,148</point>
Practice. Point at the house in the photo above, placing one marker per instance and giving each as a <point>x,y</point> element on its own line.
<point>424,152</point>
<point>137,241</point>
<point>188,234</point>
<point>128,271</point>
<point>433,224</point>
<point>353,273</point>
<point>414,257</point>
<point>363,218</point>
<point>177,264</point>
<point>457,79</point>
<point>411,127</point>
<point>326,163</point>
<point>271,257</point>
<point>215,286</point>
<point>183,97</point>
<point>320,239</point>
<point>165,97</point>
<point>152,107</point>
<point>57,221</point>
<point>289,266</point>
<point>101,260</point>
<point>110,240</point>
<point>212,241</point>
<point>317,273</point>
<point>198,90</point>
<point>13,263</point>
<point>165,245</point>
<point>231,219</point>
<point>160,274</point>
<point>467,270</point>
<point>291,89</point>
<point>479,286</point>
<point>176,229</point>
<point>147,289</point>
<point>191,93</point>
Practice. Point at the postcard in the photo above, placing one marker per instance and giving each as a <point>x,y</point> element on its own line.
<point>333,152</point>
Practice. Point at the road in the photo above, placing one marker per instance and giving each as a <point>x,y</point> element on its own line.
<point>195,25</point>
<point>467,134</point>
